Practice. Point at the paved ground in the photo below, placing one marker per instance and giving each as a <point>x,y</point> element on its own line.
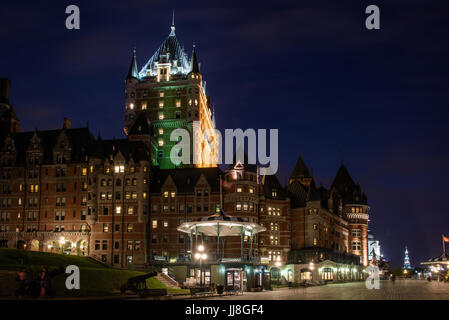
<point>400,290</point>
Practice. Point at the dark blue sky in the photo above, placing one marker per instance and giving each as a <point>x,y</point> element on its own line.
<point>377,99</point>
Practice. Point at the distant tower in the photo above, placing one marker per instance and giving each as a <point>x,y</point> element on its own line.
<point>169,93</point>
<point>406,259</point>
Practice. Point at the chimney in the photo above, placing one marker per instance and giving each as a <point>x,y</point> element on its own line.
<point>66,124</point>
<point>5,86</point>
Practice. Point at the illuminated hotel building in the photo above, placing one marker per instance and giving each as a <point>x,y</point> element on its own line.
<point>121,201</point>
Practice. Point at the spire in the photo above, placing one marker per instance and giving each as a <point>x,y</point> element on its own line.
<point>300,170</point>
<point>133,73</point>
<point>195,64</point>
<point>172,27</point>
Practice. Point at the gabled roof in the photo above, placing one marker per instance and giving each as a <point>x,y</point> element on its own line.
<point>81,143</point>
<point>270,182</point>
<point>136,150</point>
<point>185,179</point>
<point>246,165</point>
<point>300,169</point>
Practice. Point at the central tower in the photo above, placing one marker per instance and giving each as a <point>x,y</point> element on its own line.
<point>166,94</point>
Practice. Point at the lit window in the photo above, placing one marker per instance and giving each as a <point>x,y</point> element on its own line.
<point>172,194</point>
<point>238,206</point>
<point>165,224</point>
<point>131,106</point>
<point>130,210</point>
<point>165,194</point>
<point>118,210</point>
<point>196,102</point>
<point>160,143</point>
<point>161,94</point>
<point>178,103</point>
<point>251,189</point>
<point>190,102</point>
<point>144,106</point>
<point>161,131</point>
<point>315,241</point>
<point>84,171</point>
<point>161,116</point>
<point>161,104</point>
<point>154,224</point>
<point>144,195</point>
<point>239,189</point>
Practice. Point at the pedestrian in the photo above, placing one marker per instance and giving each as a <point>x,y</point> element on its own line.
<point>22,279</point>
<point>44,282</point>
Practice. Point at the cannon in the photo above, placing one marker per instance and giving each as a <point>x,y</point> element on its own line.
<point>138,285</point>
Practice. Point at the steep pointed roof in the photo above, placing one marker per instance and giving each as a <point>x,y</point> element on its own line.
<point>342,180</point>
<point>195,64</point>
<point>141,125</point>
<point>300,169</point>
<point>298,194</point>
<point>173,48</point>
<point>133,73</point>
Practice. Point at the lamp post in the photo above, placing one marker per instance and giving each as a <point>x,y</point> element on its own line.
<point>201,255</point>
<point>311,267</point>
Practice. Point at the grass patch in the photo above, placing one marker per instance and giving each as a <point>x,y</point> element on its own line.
<point>95,278</point>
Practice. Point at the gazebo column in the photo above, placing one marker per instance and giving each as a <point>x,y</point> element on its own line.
<point>251,246</point>
<point>241,243</point>
<point>191,245</point>
<point>218,242</point>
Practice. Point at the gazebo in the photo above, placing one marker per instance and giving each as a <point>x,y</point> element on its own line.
<point>221,225</point>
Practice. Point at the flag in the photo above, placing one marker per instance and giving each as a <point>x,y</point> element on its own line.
<point>445,239</point>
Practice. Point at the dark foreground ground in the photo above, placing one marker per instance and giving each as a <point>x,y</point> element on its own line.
<point>400,290</point>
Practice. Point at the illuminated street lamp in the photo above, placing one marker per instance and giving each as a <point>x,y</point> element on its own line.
<point>201,255</point>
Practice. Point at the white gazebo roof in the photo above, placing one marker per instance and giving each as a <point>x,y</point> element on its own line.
<point>222,225</point>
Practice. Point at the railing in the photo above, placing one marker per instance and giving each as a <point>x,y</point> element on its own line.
<point>212,260</point>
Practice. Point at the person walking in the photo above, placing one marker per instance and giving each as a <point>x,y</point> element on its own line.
<point>22,279</point>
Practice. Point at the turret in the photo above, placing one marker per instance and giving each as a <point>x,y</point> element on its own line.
<point>9,122</point>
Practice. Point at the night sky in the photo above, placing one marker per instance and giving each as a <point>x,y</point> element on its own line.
<point>378,100</point>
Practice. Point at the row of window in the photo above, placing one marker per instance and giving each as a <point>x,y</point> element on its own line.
<point>131,245</point>
<point>129,227</point>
